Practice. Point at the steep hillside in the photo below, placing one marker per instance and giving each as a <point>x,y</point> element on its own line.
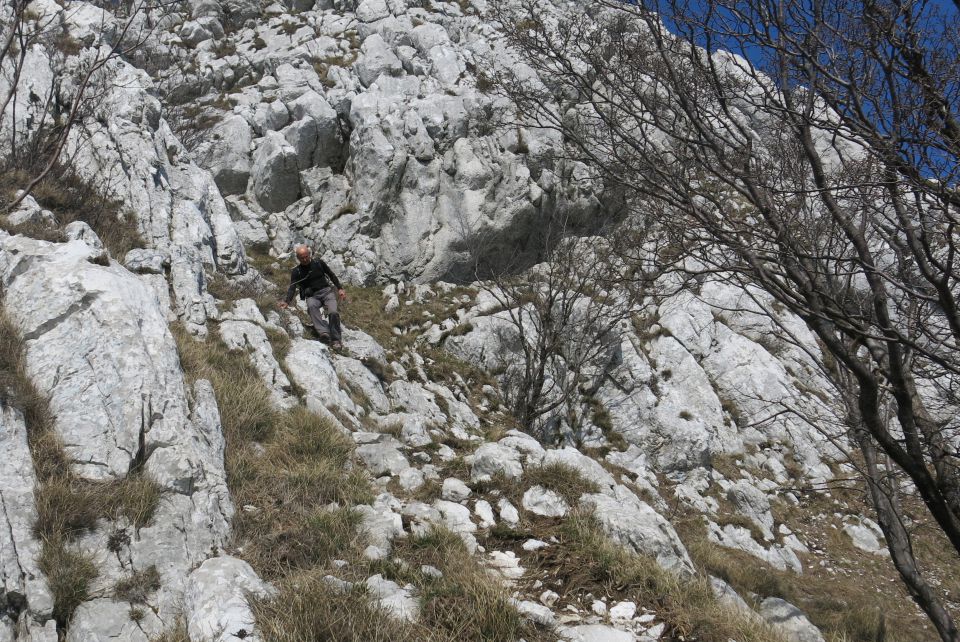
<point>186,462</point>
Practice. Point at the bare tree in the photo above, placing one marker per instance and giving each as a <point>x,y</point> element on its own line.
<point>74,92</point>
<point>564,317</point>
<point>820,163</point>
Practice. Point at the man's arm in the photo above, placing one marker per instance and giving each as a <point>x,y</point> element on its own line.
<point>333,277</point>
<point>291,289</point>
<point>336,282</point>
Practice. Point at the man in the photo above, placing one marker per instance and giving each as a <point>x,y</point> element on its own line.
<point>311,277</point>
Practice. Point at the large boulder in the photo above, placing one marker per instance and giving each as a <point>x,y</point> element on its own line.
<point>789,620</point>
<point>276,177</point>
<point>376,58</point>
<point>229,154</point>
<point>633,524</point>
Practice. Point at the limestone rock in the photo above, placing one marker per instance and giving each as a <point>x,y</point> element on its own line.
<point>382,458</point>
<point>229,154</point>
<point>251,338</point>
<point>376,58</point>
<point>789,620</point>
<point>80,231</point>
<point>454,490</point>
<point>216,605</point>
<point>20,578</point>
<point>276,178</point>
<point>630,522</point>
<point>490,459</point>
<point>399,601</point>
<point>543,502</point>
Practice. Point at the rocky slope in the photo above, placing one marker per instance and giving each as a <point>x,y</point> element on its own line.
<point>236,130</point>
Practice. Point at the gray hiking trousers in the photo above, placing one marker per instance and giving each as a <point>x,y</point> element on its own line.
<point>325,298</point>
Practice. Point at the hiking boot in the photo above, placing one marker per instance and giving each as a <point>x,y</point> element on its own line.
<point>337,346</point>
<point>324,337</point>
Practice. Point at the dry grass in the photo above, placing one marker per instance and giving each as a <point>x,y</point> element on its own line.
<point>72,198</point>
<point>67,506</point>
<point>68,574</point>
<point>18,391</point>
<point>308,609</point>
<point>467,602</point>
<point>177,634</point>
<point>587,561</point>
<point>854,597</point>
<point>227,289</point>
<point>564,480</point>
<point>731,518</point>
<point>287,467</point>
<point>246,412</point>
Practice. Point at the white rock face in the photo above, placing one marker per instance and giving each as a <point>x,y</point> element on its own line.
<point>230,154</point>
<point>98,345</point>
<point>381,524</point>
<point>399,601</point>
<point>454,490</point>
<point>376,58</point>
<point>866,536</point>
<point>491,459</point>
<point>276,178</point>
<point>623,611</point>
<point>20,577</point>
<point>216,605</point>
<point>383,458</point>
<point>310,364</point>
<point>737,537</point>
<point>506,564</point>
<point>86,323</point>
<point>789,620</point>
<point>508,512</point>
<point>633,524</point>
<point>754,504</point>
<point>29,211</point>
<point>596,633</point>
<point>105,619</point>
<point>243,330</point>
<point>140,162</point>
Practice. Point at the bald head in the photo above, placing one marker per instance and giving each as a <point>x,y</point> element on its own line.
<point>303,254</point>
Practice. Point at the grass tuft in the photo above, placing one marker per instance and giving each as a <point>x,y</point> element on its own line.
<point>590,562</point>
<point>138,585</point>
<point>67,506</point>
<point>68,574</point>
<point>467,602</point>
<point>73,198</point>
<point>307,608</point>
<point>562,479</point>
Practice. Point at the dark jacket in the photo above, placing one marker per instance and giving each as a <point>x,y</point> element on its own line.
<point>310,279</point>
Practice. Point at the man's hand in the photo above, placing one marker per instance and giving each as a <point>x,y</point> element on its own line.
<point>341,294</point>
<point>283,305</point>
